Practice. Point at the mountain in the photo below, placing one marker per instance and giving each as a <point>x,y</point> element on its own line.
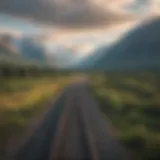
<point>10,56</point>
<point>21,52</point>
<point>139,49</point>
<point>8,53</point>
<point>89,61</point>
<point>30,49</point>
<point>6,46</point>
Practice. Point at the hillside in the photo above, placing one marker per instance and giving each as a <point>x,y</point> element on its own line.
<point>11,55</point>
<point>139,49</point>
<point>32,50</point>
<point>8,58</point>
<point>90,60</point>
<point>6,46</point>
<point>130,101</point>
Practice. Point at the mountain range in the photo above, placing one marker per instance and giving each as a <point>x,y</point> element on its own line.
<point>21,51</point>
<point>138,49</point>
<point>30,49</point>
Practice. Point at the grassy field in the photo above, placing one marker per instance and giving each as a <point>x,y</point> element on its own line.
<point>132,102</point>
<point>22,99</point>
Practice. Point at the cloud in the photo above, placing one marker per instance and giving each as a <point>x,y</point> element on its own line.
<point>155,6</point>
<point>143,7</point>
<point>64,13</point>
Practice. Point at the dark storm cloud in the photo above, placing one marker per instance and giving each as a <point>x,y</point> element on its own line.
<point>80,14</point>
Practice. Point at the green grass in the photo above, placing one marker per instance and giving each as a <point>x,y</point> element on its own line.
<point>22,99</point>
<point>132,103</point>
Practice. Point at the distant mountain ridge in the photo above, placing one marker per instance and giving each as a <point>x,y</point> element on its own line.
<point>21,51</point>
<point>32,50</point>
<point>6,46</point>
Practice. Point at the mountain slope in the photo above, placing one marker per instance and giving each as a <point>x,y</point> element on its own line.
<point>32,50</point>
<point>6,46</point>
<point>140,49</point>
<point>90,60</point>
<point>10,54</point>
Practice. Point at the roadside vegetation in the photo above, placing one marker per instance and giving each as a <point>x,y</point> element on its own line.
<point>132,102</point>
<point>24,98</point>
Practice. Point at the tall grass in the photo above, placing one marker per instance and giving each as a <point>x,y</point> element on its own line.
<point>132,102</point>
<point>22,99</point>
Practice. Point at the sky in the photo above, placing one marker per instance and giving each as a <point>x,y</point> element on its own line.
<point>82,25</point>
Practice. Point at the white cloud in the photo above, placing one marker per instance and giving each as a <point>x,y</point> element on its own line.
<point>135,7</point>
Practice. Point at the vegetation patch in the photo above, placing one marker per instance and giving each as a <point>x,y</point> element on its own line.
<point>132,102</point>
<point>22,99</point>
